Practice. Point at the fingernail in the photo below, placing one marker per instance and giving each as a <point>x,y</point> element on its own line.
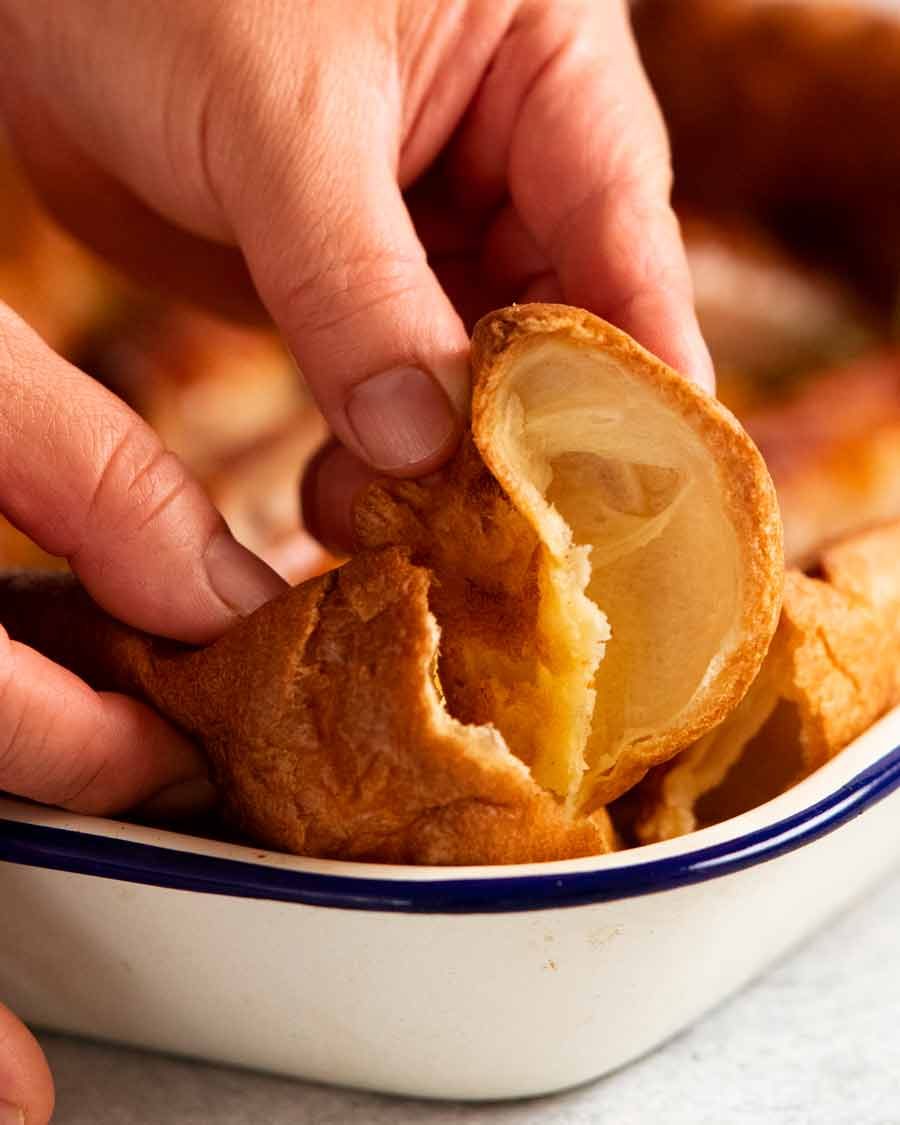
<point>184,798</point>
<point>11,1114</point>
<point>331,483</point>
<point>401,418</point>
<point>240,579</point>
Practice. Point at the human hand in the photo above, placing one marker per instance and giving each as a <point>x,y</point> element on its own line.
<point>387,170</point>
<point>87,479</point>
<point>380,172</point>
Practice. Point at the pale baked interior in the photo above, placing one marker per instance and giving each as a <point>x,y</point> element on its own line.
<point>707,778</point>
<point>629,503</point>
<point>830,672</point>
<point>453,694</point>
<point>605,552</point>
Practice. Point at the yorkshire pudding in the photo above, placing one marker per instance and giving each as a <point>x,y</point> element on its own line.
<point>833,668</point>
<point>589,586</point>
<point>606,551</point>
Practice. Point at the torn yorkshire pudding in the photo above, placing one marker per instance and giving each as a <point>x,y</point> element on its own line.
<point>833,668</point>
<point>606,551</point>
<point>589,585</point>
<point>321,721</point>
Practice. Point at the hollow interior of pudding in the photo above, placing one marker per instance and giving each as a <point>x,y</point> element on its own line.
<point>771,762</point>
<point>628,498</point>
<point>757,752</point>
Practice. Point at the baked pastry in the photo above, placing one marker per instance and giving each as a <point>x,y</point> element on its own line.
<point>322,720</point>
<point>597,487</point>
<point>833,449</point>
<point>589,586</point>
<point>832,670</point>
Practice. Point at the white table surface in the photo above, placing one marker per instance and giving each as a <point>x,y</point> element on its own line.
<point>816,1040</point>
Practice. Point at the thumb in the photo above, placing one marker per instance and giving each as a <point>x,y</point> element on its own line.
<point>26,1086</point>
<point>337,261</point>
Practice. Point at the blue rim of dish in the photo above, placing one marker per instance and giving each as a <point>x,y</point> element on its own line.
<point>64,849</point>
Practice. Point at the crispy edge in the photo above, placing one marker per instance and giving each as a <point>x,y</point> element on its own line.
<point>498,341</point>
<point>361,761</point>
<point>838,662</point>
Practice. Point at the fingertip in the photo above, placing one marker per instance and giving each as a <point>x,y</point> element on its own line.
<point>403,421</point>
<point>26,1083</point>
<point>682,346</point>
<point>697,364</point>
<point>241,580</point>
<point>181,800</point>
<point>111,753</point>
<point>688,354</point>
<point>333,479</point>
<point>664,322</point>
<point>200,595</point>
<point>131,756</point>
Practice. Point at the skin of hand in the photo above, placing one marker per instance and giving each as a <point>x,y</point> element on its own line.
<point>378,173</point>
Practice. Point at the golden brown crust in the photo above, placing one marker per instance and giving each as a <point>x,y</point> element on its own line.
<point>746,491</point>
<point>831,672</point>
<point>322,713</point>
<point>866,568</point>
<point>368,767</point>
<point>461,526</point>
<point>474,526</point>
<point>315,715</point>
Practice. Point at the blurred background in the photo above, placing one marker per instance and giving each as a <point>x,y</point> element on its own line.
<point>787,182</point>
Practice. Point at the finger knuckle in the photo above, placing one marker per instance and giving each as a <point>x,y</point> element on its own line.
<point>340,290</point>
<point>140,480</point>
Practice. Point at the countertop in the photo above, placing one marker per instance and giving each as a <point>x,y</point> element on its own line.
<point>817,1039</point>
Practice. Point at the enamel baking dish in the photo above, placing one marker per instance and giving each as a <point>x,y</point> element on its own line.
<point>481,982</point>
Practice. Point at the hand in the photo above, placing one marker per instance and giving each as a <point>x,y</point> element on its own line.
<point>379,172</point>
<point>87,479</point>
<point>387,170</point>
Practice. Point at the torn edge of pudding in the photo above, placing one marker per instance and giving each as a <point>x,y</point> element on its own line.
<point>519,642</point>
<point>613,457</point>
<point>594,489</point>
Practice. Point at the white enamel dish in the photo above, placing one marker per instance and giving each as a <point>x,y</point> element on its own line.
<point>481,982</point>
